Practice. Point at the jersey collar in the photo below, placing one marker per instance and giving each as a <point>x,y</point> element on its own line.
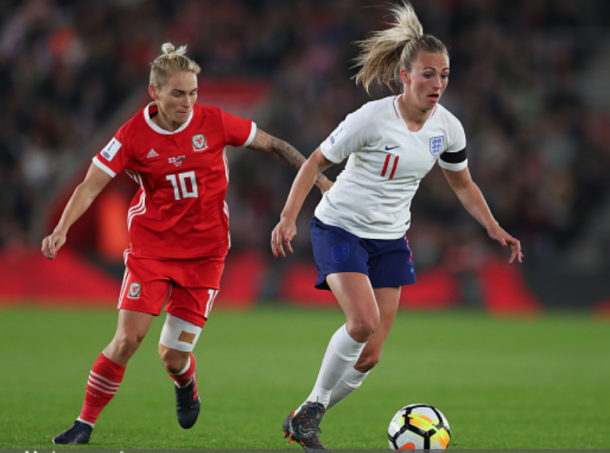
<point>399,116</point>
<point>160,130</point>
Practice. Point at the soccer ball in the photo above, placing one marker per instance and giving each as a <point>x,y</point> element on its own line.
<point>419,427</point>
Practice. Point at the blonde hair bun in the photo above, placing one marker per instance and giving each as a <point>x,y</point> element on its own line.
<point>169,49</point>
<point>171,60</point>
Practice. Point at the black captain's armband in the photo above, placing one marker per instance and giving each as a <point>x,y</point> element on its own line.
<point>454,158</point>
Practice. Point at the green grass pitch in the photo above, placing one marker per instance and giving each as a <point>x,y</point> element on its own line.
<point>502,383</point>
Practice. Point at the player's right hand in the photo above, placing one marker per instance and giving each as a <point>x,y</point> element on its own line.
<point>281,236</point>
<point>52,243</point>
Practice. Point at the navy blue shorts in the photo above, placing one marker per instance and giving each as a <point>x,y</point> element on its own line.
<point>388,263</point>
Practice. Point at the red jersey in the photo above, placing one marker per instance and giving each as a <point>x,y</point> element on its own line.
<point>180,210</point>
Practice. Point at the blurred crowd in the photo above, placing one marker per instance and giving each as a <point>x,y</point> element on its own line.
<point>538,153</point>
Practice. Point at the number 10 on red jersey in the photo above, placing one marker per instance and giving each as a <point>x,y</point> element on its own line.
<point>180,188</point>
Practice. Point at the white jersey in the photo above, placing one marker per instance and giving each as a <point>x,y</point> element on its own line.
<point>372,196</point>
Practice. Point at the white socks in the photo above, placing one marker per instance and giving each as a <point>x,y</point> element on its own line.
<point>351,381</point>
<point>340,357</point>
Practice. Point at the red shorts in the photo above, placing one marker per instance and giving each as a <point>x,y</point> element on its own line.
<point>186,287</point>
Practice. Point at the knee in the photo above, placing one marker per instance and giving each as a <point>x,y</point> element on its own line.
<point>125,344</point>
<point>361,329</point>
<point>173,361</point>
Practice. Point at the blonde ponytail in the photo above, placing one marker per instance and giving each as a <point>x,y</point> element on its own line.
<point>172,60</point>
<point>385,52</point>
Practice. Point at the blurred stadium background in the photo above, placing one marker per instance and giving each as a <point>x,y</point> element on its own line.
<point>529,81</point>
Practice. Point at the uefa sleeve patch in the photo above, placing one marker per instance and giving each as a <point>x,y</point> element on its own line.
<point>337,135</point>
<point>111,149</point>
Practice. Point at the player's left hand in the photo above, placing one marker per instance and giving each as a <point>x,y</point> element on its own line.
<point>497,233</point>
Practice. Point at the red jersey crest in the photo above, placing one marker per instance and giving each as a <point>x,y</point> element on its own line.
<point>199,143</point>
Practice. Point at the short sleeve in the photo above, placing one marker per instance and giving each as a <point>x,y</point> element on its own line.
<point>238,131</point>
<point>348,137</point>
<point>113,158</point>
<point>454,157</point>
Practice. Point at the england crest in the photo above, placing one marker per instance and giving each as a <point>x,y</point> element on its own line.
<point>199,143</point>
<point>437,145</point>
<point>341,253</point>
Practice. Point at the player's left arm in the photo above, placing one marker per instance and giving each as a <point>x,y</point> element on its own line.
<point>284,153</point>
<point>472,199</point>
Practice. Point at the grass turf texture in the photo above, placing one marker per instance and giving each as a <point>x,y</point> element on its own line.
<point>502,383</point>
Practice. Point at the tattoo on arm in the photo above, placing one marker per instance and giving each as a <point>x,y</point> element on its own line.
<point>279,149</point>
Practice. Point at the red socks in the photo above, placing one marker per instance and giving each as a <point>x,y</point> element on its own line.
<point>184,378</point>
<point>104,380</point>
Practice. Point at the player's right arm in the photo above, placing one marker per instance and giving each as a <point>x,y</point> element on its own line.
<point>81,199</point>
<point>350,135</point>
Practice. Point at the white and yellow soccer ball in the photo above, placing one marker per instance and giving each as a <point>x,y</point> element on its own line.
<point>419,427</point>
